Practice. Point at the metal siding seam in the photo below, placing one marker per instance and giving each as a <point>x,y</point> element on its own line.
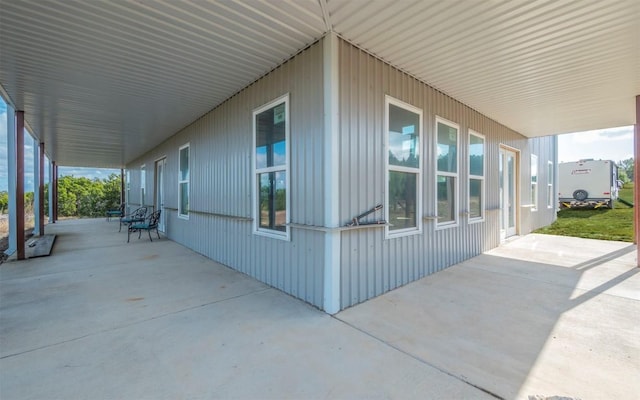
<point>355,269</point>
<point>365,266</point>
<point>367,272</point>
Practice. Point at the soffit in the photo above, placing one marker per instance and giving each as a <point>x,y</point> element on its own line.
<point>538,67</point>
<point>102,82</point>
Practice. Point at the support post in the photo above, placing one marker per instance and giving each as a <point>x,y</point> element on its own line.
<point>36,191</point>
<point>55,192</point>
<point>122,186</point>
<point>11,161</point>
<point>51,221</point>
<point>20,184</point>
<point>636,172</point>
<point>40,188</point>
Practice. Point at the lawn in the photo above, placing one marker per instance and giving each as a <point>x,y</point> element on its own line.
<point>606,224</point>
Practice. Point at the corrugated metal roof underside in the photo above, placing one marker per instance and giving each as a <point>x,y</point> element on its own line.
<point>103,82</point>
<point>539,67</point>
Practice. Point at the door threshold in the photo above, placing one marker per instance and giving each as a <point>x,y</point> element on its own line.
<point>510,239</point>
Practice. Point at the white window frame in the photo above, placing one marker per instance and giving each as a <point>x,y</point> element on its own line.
<point>143,183</point>
<point>456,175</point>
<point>417,171</point>
<point>257,230</point>
<point>550,192</point>
<point>182,181</point>
<point>477,177</point>
<point>534,183</point>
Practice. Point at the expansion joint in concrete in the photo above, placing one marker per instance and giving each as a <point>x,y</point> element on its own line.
<point>420,360</point>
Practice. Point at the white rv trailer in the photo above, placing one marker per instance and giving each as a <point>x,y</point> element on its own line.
<point>587,183</point>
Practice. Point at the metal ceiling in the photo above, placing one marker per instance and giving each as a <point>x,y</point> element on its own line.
<point>102,82</point>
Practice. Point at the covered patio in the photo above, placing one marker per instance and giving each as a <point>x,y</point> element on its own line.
<point>100,318</point>
<point>98,84</point>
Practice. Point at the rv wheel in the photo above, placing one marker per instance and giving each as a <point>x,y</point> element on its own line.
<point>580,195</point>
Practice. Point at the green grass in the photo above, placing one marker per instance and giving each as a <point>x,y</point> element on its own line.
<point>605,224</point>
<point>627,192</point>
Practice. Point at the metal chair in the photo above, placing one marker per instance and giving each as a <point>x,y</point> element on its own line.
<point>136,216</point>
<point>149,224</point>
<point>115,213</point>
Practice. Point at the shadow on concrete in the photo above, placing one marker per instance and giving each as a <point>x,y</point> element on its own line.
<point>594,262</point>
<point>519,328</point>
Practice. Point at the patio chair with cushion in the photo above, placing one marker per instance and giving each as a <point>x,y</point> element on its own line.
<point>116,212</point>
<point>149,224</point>
<point>135,217</point>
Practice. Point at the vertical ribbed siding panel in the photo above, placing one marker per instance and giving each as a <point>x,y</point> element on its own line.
<point>371,264</point>
<point>221,179</point>
<point>544,148</point>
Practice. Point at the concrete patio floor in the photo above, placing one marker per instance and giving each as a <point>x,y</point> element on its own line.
<point>100,318</point>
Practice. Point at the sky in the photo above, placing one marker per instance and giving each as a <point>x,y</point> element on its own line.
<point>607,144</point>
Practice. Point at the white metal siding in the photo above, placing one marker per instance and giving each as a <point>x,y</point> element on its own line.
<point>221,178</point>
<point>219,224</point>
<point>544,148</point>
<point>371,264</point>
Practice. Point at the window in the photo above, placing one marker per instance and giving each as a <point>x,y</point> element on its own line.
<point>447,172</point>
<point>476,176</point>
<point>550,193</point>
<point>183,181</point>
<point>534,182</point>
<point>404,194</point>
<point>271,161</point>
<point>143,183</point>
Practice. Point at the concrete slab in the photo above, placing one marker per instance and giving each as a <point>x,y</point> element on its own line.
<point>541,315</point>
<point>101,318</point>
<point>151,320</point>
<point>40,246</point>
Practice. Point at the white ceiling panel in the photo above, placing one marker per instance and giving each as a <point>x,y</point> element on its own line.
<point>539,67</point>
<point>102,82</point>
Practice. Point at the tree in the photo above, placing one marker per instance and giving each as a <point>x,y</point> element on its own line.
<point>77,197</point>
<point>82,197</point>
<point>4,202</point>
<point>622,175</point>
<point>627,166</point>
<point>111,194</point>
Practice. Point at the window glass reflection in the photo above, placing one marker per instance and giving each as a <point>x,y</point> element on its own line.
<point>402,200</point>
<point>446,196</point>
<point>447,148</point>
<point>270,137</point>
<point>404,129</point>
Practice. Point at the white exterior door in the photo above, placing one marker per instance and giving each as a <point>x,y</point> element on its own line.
<point>159,191</point>
<point>508,193</point>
